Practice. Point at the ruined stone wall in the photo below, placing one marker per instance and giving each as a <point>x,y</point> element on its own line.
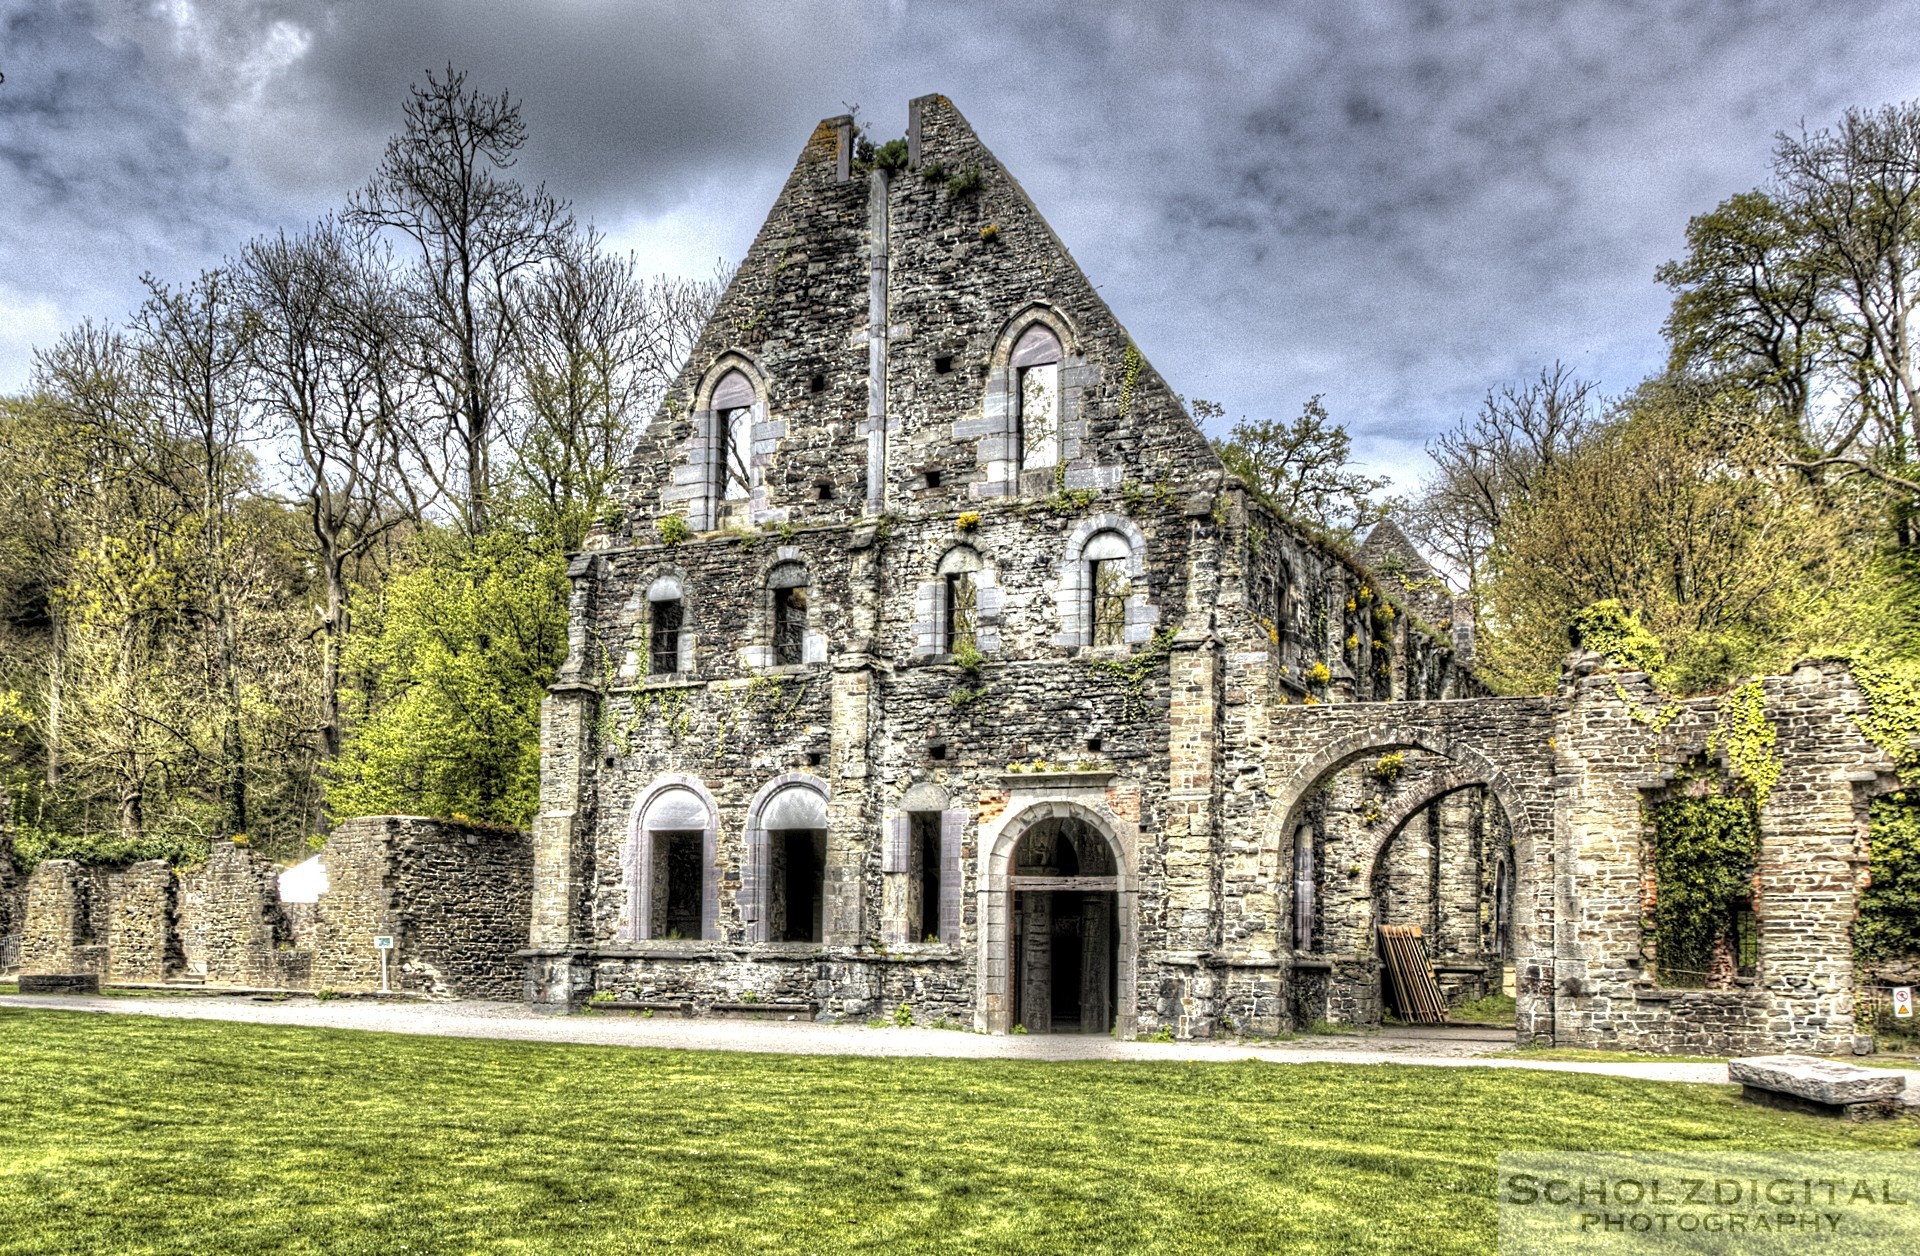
<point>1227,609</point>
<point>116,923</point>
<point>1621,745</point>
<point>247,937</point>
<point>455,898</point>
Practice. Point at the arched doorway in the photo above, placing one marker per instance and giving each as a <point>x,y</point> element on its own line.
<point>1058,936</point>
<point>1065,939</point>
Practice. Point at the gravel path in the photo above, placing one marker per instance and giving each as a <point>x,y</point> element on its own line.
<point>516,1021</point>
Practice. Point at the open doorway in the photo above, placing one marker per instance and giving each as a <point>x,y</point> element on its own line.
<point>1064,930</point>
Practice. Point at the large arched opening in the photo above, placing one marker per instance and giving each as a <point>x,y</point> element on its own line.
<point>1392,826</point>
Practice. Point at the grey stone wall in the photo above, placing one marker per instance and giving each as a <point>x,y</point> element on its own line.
<point>455,898</point>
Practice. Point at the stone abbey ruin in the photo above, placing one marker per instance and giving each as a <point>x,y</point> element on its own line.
<point>936,669</point>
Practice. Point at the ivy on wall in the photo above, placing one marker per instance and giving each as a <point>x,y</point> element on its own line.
<point>1889,923</point>
<point>1704,849</point>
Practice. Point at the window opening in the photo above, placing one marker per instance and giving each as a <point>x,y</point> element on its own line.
<point>664,637</point>
<point>1303,899</point>
<point>733,404</point>
<point>1036,369</point>
<point>789,616</point>
<point>1108,557</point>
<point>799,877</point>
<point>962,600</point>
<point>923,907</point>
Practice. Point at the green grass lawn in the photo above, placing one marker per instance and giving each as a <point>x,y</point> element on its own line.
<point>136,1134</point>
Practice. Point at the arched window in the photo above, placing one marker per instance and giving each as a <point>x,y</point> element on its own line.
<point>1036,397</point>
<point>666,616</point>
<point>675,879</point>
<point>957,629</point>
<point>733,401</point>
<point>788,584</point>
<point>1108,556</point>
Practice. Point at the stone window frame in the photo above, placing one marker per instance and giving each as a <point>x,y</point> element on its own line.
<point>683,645</point>
<point>637,860</point>
<point>994,431</point>
<point>636,618</point>
<point>757,651</point>
<point>755,869</point>
<point>896,866</point>
<point>930,610</point>
<point>1073,585</point>
<point>697,480</point>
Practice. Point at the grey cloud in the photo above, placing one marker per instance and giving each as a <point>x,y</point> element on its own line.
<point>1397,204</point>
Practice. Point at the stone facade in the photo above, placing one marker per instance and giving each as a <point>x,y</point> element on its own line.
<point>935,663</point>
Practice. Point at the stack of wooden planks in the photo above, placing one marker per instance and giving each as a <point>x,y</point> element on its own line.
<point>1415,995</point>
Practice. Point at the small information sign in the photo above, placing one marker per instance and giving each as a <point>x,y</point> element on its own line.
<point>383,942</point>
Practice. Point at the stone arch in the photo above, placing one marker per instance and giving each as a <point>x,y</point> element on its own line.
<point>932,608</point>
<point>755,884</point>
<point>1493,760</point>
<point>1073,585</point>
<point>652,584</point>
<point>1033,313</point>
<point>637,858</point>
<point>756,647</point>
<point>998,843</point>
<point>1403,810</point>
<point>1343,751</point>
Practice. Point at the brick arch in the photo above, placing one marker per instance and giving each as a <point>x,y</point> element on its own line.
<point>997,847</point>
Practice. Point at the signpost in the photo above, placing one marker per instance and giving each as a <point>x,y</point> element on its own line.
<point>1903,1002</point>
<point>383,943</point>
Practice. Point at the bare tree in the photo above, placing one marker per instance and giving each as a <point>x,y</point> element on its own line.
<point>328,352</point>
<point>473,234</point>
<point>1488,466</point>
<point>192,346</point>
<point>597,347</point>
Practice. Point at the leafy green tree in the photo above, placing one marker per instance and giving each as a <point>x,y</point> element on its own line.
<point>451,662</point>
<point>1673,509</point>
<point>1303,468</point>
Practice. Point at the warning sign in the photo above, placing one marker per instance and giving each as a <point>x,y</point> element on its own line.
<point>1903,1002</point>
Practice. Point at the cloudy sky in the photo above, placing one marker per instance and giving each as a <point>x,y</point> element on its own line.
<point>1395,204</point>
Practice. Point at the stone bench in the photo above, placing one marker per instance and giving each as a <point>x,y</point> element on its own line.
<point>60,983</point>
<point>1802,1083</point>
